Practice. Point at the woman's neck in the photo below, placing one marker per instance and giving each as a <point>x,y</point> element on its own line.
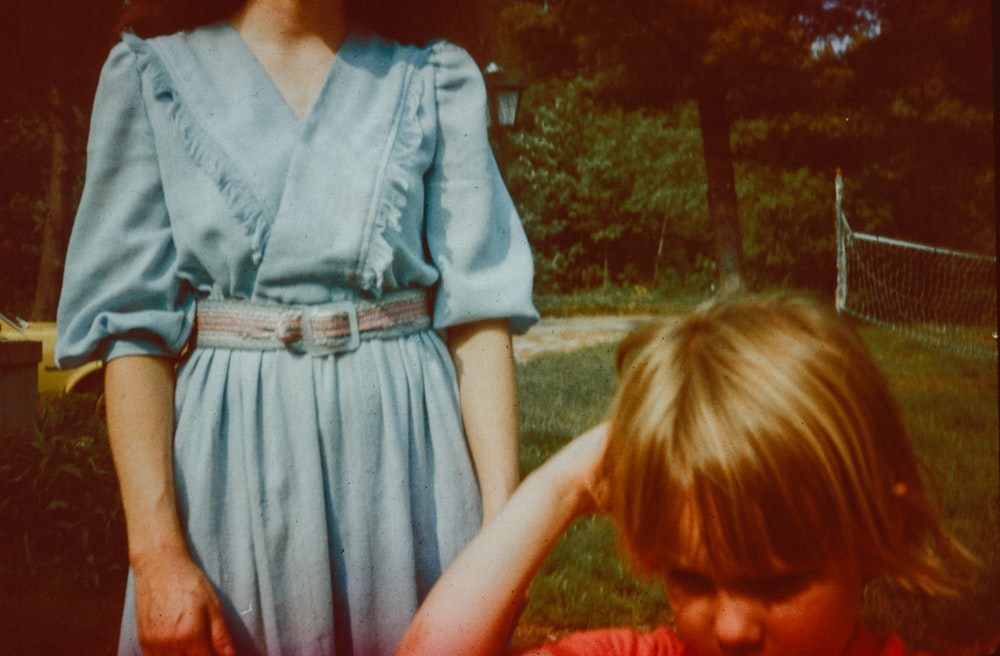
<point>290,22</point>
<point>295,41</point>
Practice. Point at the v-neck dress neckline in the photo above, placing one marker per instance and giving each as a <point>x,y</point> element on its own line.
<point>267,82</point>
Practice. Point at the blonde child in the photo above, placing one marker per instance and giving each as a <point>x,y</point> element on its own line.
<point>756,461</point>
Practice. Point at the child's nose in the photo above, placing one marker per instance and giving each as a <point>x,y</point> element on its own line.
<point>738,623</point>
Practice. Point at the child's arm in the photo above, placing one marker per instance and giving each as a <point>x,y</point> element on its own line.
<point>473,607</point>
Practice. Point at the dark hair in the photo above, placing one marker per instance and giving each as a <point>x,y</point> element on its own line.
<point>406,22</point>
<point>149,18</point>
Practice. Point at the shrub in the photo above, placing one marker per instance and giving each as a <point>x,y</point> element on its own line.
<point>59,501</point>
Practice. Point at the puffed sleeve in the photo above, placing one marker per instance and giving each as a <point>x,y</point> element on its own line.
<point>121,294</point>
<point>474,234</point>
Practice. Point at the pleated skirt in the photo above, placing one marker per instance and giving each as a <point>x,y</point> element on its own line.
<point>321,495</point>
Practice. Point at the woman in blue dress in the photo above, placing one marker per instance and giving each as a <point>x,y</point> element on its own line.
<point>296,256</point>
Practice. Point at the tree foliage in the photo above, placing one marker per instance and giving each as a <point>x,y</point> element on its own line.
<point>925,85</point>
<point>614,166</point>
<point>734,60</point>
<point>595,184</point>
<point>56,48</point>
<point>805,87</point>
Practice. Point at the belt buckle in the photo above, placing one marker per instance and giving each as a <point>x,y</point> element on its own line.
<point>319,340</point>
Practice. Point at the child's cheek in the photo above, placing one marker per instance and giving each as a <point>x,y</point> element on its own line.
<point>821,622</point>
<point>693,618</point>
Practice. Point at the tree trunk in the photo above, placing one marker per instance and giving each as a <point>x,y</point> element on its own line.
<point>607,270</point>
<point>57,222</point>
<point>723,209</point>
<point>659,250</point>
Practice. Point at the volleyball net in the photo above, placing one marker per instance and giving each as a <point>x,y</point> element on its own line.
<point>943,297</point>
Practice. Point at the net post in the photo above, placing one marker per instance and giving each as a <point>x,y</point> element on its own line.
<point>840,298</point>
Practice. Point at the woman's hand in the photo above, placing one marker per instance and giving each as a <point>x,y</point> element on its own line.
<point>177,610</point>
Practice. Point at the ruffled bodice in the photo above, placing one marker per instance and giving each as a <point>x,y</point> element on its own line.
<point>202,182</point>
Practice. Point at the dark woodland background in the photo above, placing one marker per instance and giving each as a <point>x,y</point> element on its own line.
<point>669,145</point>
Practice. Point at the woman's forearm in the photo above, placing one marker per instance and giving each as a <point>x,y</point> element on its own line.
<point>484,363</point>
<point>177,609</point>
<point>139,393</point>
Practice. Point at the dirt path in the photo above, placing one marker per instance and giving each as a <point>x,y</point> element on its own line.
<point>571,333</point>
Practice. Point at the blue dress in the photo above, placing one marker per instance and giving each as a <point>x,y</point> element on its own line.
<point>322,495</point>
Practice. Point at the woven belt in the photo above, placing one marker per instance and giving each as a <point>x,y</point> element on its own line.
<point>312,329</point>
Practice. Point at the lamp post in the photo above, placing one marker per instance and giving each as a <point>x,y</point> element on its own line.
<point>503,99</point>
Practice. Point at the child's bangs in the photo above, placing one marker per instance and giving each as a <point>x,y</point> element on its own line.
<point>763,434</point>
<point>747,523</point>
<point>726,455</point>
<point>771,529</point>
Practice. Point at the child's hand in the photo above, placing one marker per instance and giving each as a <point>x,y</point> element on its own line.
<point>578,469</point>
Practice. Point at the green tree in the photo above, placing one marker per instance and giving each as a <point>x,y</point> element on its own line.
<point>54,51</point>
<point>733,60</point>
<point>24,158</point>
<point>596,185</point>
<point>926,82</point>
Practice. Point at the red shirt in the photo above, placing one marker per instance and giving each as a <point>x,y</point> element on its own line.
<point>661,642</point>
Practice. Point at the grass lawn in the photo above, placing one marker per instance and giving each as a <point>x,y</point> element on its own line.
<point>951,405</point>
<point>62,546</point>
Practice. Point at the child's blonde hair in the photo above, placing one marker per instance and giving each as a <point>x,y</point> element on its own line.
<point>766,421</point>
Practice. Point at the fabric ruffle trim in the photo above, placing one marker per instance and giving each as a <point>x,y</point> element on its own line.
<point>395,190</point>
<point>244,203</point>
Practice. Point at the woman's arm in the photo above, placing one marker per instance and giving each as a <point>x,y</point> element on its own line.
<point>177,610</point>
<point>474,605</point>
<point>484,363</point>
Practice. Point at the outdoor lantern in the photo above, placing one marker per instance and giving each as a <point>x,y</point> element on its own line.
<point>504,96</point>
